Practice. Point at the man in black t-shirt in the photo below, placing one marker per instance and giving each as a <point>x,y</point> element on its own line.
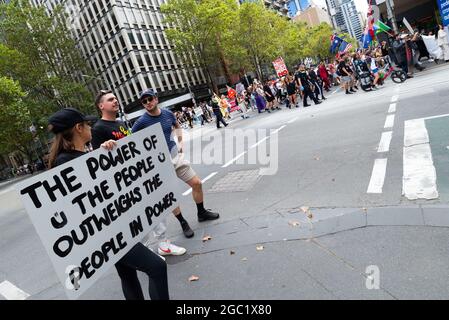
<point>344,72</point>
<point>303,82</point>
<point>109,128</point>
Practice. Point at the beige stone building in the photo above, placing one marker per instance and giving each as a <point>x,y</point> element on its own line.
<point>313,16</point>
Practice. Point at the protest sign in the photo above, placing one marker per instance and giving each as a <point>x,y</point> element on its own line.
<point>432,46</point>
<point>91,211</point>
<point>280,67</point>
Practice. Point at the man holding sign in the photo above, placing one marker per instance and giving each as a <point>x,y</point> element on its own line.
<point>109,128</point>
<point>81,209</point>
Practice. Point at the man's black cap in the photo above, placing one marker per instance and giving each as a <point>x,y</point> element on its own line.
<point>67,118</point>
<point>147,93</point>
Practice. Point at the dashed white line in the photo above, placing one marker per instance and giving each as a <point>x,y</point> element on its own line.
<point>256,144</point>
<point>392,108</point>
<point>234,159</point>
<point>11,292</point>
<point>389,123</point>
<point>292,120</point>
<point>394,98</point>
<point>378,176</point>
<point>277,130</point>
<point>384,145</point>
<point>203,181</point>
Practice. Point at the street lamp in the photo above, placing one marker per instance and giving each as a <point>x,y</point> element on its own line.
<point>122,114</point>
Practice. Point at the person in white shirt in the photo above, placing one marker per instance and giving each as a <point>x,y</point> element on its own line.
<point>443,43</point>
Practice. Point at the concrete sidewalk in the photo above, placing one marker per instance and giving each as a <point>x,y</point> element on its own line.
<point>318,254</point>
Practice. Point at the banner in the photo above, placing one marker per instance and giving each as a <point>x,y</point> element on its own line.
<point>443,5</point>
<point>91,211</point>
<point>432,46</point>
<point>280,67</point>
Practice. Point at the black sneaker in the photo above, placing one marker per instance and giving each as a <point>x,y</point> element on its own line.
<point>188,232</point>
<point>207,215</point>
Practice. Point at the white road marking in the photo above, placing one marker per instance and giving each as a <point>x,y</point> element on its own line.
<point>392,108</point>
<point>415,132</point>
<point>234,159</point>
<point>262,140</point>
<point>384,145</point>
<point>11,292</point>
<point>203,181</point>
<point>389,123</point>
<point>394,98</point>
<point>277,130</point>
<point>419,180</point>
<point>378,176</point>
<point>292,120</point>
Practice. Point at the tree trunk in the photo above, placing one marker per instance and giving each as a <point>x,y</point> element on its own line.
<point>223,62</point>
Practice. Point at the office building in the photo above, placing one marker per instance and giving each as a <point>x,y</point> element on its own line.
<point>125,44</point>
<point>345,17</point>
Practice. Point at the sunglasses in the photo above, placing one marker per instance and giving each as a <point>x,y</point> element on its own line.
<point>148,100</point>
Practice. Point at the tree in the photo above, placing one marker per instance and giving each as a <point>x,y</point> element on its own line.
<point>43,48</point>
<point>36,50</point>
<point>257,33</point>
<point>198,30</point>
<point>15,119</point>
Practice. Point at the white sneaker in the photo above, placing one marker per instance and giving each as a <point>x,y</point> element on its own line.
<point>169,249</point>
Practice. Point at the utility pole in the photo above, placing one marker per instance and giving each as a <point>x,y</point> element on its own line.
<point>391,15</point>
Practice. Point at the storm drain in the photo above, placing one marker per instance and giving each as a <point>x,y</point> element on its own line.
<point>238,181</point>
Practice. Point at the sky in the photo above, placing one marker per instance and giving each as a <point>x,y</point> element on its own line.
<point>362,5</point>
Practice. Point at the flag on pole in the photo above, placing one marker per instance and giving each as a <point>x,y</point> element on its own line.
<point>344,47</point>
<point>381,27</point>
<point>366,39</point>
<point>335,44</point>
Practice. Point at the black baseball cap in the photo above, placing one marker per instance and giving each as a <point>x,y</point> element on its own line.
<point>147,93</point>
<point>67,118</point>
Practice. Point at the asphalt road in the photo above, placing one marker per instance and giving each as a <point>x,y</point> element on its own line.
<point>325,156</point>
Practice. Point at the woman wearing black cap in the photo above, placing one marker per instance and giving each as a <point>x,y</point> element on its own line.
<point>72,133</point>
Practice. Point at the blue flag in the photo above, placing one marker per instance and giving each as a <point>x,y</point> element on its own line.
<point>366,40</point>
<point>336,42</point>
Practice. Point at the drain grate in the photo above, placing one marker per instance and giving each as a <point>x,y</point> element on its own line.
<point>238,181</point>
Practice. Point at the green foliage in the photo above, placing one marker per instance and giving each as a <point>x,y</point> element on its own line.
<point>199,28</point>
<point>15,118</point>
<point>36,50</point>
<point>249,36</point>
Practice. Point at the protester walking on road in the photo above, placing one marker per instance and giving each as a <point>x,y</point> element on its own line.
<point>217,111</point>
<point>72,133</point>
<point>324,75</point>
<point>303,82</point>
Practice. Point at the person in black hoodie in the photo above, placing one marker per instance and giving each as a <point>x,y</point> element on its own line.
<point>72,133</point>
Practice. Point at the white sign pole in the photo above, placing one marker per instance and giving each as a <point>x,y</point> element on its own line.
<point>91,211</point>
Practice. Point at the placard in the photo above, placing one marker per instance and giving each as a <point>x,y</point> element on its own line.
<point>91,211</point>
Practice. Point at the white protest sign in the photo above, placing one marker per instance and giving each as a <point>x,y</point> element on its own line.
<point>91,211</point>
<point>432,46</point>
<point>198,111</point>
<point>409,27</point>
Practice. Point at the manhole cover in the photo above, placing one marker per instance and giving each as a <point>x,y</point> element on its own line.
<point>237,181</point>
